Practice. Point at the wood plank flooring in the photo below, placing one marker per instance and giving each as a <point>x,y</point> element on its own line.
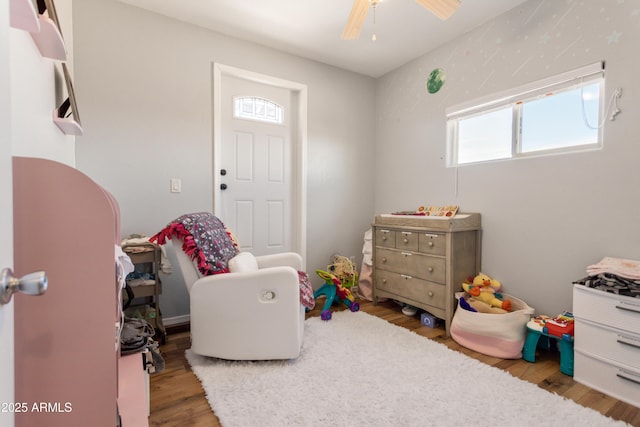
<point>177,399</point>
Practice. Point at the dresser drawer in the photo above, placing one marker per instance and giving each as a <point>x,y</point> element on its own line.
<point>618,381</point>
<point>432,243</point>
<point>608,309</point>
<point>407,240</point>
<point>385,238</point>
<point>412,264</point>
<point>612,344</point>
<point>419,290</point>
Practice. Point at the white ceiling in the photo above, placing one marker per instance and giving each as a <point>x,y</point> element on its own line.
<point>405,30</point>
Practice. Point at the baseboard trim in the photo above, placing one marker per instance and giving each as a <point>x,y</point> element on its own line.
<point>177,324</point>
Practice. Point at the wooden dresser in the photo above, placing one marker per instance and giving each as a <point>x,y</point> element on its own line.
<point>607,343</point>
<point>422,261</point>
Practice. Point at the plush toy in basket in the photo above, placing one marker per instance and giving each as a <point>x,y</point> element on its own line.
<point>486,324</point>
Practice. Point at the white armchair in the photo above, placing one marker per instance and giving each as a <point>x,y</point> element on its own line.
<point>251,313</point>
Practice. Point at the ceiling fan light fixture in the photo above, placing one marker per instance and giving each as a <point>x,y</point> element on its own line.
<point>443,9</point>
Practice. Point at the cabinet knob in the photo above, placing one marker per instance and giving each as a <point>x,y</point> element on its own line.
<point>430,269</point>
<point>384,259</point>
<point>405,240</point>
<point>384,280</point>
<point>384,238</point>
<point>430,293</point>
<point>430,244</point>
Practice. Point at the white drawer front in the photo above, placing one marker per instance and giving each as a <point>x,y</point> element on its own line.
<point>605,308</point>
<point>616,381</point>
<point>613,344</point>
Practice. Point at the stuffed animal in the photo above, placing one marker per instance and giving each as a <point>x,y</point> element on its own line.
<point>486,289</point>
<point>345,270</point>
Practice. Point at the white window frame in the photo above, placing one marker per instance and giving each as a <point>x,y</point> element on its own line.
<point>513,98</point>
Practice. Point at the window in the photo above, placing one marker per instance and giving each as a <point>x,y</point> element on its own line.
<point>252,108</point>
<point>559,114</point>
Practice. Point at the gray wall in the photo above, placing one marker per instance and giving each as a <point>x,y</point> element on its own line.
<point>144,84</point>
<point>545,218</point>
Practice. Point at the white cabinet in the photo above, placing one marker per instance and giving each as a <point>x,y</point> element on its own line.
<point>607,343</point>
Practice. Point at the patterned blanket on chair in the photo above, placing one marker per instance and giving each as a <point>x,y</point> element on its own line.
<point>204,238</point>
<point>208,242</point>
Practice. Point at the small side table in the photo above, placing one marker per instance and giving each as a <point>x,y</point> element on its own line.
<point>564,345</point>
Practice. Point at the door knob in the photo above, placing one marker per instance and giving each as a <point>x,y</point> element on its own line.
<point>223,186</point>
<point>30,284</point>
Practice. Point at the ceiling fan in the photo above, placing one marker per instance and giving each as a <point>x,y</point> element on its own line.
<point>443,9</point>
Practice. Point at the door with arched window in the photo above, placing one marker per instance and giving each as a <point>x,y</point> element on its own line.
<point>256,162</point>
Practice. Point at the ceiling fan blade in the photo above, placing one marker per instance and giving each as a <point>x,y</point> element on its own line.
<point>356,19</point>
<point>443,9</point>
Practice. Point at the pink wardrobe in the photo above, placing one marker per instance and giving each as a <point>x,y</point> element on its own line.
<point>66,346</point>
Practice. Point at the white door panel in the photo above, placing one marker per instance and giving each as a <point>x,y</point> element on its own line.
<point>257,203</point>
<point>264,173</point>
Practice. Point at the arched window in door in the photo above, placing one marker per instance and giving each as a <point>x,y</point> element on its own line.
<point>255,108</point>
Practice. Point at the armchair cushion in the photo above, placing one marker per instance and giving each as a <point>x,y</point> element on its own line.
<point>243,262</point>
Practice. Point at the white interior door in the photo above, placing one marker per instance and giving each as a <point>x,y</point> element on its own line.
<point>6,221</point>
<point>256,167</point>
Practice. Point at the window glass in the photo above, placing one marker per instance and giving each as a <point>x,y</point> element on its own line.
<point>566,119</point>
<point>485,137</point>
<point>254,108</point>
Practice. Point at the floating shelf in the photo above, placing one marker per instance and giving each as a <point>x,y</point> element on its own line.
<point>68,126</point>
<point>49,39</point>
<point>23,16</point>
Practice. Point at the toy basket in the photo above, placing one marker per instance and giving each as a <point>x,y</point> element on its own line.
<point>497,335</point>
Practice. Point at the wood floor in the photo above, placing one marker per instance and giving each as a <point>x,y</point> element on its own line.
<point>177,398</point>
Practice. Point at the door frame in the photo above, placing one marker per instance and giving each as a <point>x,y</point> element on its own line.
<point>299,144</point>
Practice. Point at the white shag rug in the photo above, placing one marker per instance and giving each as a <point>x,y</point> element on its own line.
<point>360,370</point>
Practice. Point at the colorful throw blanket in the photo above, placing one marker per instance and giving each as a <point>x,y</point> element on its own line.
<point>204,238</point>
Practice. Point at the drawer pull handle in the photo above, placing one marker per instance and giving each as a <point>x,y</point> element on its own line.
<point>384,260</point>
<point>405,240</point>
<point>623,374</point>
<point>384,281</point>
<point>628,307</point>
<point>406,253</point>
<point>431,244</point>
<point>430,269</point>
<point>430,293</point>
<point>632,342</point>
<point>405,277</point>
<point>384,238</point>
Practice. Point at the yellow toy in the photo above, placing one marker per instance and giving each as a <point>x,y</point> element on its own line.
<point>486,289</point>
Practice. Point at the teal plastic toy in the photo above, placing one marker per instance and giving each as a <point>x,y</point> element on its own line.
<point>536,338</point>
<point>332,289</point>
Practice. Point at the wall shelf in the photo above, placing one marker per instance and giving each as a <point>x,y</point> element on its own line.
<point>68,126</point>
<point>49,40</point>
<point>23,16</point>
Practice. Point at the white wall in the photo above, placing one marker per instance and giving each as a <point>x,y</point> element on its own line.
<point>145,84</point>
<point>35,93</point>
<point>544,219</point>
